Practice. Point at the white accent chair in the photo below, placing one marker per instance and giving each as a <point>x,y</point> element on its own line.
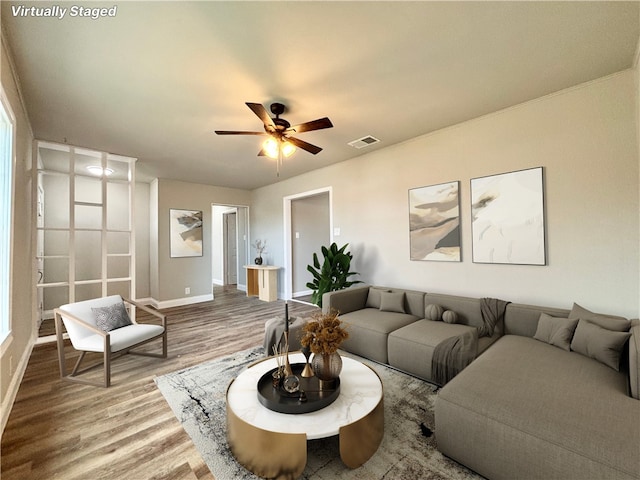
<point>80,323</point>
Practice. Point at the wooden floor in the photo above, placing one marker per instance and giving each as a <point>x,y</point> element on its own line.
<point>60,430</point>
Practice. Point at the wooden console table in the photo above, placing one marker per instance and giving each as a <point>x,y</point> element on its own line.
<point>262,281</point>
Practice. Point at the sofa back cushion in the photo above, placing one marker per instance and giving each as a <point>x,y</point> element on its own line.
<point>413,300</point>
<point>522,319</point>
<point>610,322</point>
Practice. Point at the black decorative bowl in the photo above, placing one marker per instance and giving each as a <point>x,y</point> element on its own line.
<point>310,398</point>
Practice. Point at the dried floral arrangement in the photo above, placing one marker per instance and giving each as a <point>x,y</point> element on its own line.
<point>324,333</point>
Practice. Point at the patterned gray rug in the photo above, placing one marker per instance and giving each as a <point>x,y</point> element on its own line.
<point>197,397</point>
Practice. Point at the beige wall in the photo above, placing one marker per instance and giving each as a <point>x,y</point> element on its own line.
<point>142,226</point>
<point>637,103</point>
<point>15,351</point>
<point>584,137</point>
<point>173,275</point>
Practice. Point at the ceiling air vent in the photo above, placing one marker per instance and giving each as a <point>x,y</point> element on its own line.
<point>364,142</point>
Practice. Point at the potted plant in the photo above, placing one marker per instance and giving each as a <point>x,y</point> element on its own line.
<point>333,274</point>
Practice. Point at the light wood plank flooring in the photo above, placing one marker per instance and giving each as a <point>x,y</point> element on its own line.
<point>60,430</point>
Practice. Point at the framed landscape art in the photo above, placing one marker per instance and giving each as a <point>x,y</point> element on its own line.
<point>434,222</point>
<point>507,218</point>
<point>185,227</point>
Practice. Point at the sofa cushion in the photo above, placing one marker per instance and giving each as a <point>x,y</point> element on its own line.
<point>374,297</point>
<point>548,412</point>
<point>555,331</point>
<point>599,343</point>
<point>368,331</point>
<point>411,348</point>
<point>392,302</point>
<point>610,322</point>
<point>520,319</point>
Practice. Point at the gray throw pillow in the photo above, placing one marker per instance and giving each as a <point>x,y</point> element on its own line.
<point>373,298</point>
<point>610,322</point>
<point>556,331</point>
<point>111,317</point>
<point>449,316</point>
<point>433,312</point>
<point>599,343</point>
<point>392,302</point>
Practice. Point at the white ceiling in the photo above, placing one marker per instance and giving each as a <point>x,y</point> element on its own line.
<point>157,79</point>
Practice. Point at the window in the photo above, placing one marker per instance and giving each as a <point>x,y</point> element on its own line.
<point>7,132</point>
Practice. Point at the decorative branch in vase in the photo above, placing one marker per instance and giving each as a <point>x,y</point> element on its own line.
<point>260,247</point>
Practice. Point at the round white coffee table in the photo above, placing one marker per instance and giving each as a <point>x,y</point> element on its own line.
<point>274,445</point>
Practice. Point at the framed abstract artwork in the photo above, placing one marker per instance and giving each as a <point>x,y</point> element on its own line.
<point>507,218</point>
<point>185,227</point>
<point>434,222</point>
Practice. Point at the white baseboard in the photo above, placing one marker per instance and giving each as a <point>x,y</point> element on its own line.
<point>178,302</point>
<point>301,294</point>
<point>144,301</point>
<point>215,281</point>
<point>12,391</point>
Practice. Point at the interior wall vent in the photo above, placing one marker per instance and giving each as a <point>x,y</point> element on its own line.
<point>364,142</point>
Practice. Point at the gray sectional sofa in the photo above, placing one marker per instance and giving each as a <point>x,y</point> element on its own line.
<point>549,395</point>
<point>388,325</point>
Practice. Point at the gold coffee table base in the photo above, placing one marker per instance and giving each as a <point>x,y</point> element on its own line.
<point>360,440</point>
<point>274,445</point>
<point>284,455</point>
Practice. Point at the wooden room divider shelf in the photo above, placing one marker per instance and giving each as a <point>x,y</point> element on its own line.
<point>262,281</point>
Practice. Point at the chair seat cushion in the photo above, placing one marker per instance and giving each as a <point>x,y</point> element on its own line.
<point>121,339</point>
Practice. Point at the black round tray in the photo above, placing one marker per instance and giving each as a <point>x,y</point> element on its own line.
<point>279,400</point>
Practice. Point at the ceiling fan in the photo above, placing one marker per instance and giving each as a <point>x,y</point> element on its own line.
<point>280,141</point>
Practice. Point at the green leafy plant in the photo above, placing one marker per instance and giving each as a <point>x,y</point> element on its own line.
<point>333,274</point>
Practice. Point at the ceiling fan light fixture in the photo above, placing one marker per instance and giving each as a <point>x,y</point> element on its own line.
<point>273,147</point>
<point>288,149</point>
<point>270,147</point>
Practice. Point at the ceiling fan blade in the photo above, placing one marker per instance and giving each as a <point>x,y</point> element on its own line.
<point>262,114</point>
<point>318,124</point>
<point>304,145</point>
<point>233,132</point>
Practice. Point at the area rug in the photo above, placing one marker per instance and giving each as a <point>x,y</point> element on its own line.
<point>408,450</point>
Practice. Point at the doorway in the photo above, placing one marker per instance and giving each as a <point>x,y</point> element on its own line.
<point>230,248</point>
<point>308,226</point>
<point>230,245</point>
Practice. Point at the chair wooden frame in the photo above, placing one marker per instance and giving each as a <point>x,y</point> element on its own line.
<point>108,355</point>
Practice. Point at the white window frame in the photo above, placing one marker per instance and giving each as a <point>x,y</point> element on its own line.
<point>8,131</point>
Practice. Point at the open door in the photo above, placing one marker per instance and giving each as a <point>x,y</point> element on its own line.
<point>308,226</point>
